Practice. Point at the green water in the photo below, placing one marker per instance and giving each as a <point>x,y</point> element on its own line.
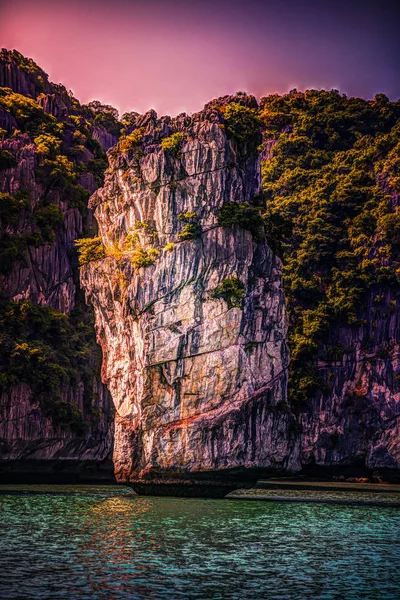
<point>105,543</point>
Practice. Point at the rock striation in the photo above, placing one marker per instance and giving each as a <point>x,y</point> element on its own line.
<point>198,381</point>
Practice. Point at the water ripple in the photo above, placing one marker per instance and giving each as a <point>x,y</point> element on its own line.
<point>104,543</point>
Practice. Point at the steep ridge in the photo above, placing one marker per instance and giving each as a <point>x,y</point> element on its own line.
<point>331,191</point>
<point>188,301</point>
<point>54,407</point>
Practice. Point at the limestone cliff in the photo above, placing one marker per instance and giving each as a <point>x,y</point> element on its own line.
<point>190,314</point>
<point>354,420</point>
<point>332,199</point>
<point>53,405</point>
<point>189,300</point>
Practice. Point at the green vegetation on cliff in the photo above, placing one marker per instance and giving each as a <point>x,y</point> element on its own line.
<point>48,351</point>
<point>241,214</point>
<point>191,228</point>
<point>329,186</point>
<point>90,249</point>
<point>330,208</point>
<point>172,143</point>
<point>231,290</point>
<point>49,138</point>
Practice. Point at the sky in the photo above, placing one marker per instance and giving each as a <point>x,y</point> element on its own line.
<point>176,55</point>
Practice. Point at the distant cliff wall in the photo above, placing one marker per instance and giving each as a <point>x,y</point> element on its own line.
<point>53,406</point>
<point>331,194</point>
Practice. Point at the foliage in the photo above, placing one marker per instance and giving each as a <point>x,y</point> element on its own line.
<point>172,143</point>
<point>189,232</point>
<point>99,108</point>
<point>169,246</point>
<point>97,167</point>
<point>144,258</point>
<point>45,358</point>
<point>49,218</point>
<point>11,208</point>
<point>132,140</point>
<point>12,248</point>
<point>104,115</point>
<point>90,249</point>
<point>144,225</point>
<point>329,214</point>
<point>76,195</point>
<point>231,290</point>
<point>388,227</point>
<point>129,118</point>
<point>14,245</point>
<point>29,115</point>
<point>7,160</point>
<point>191,228</point>
<point>241,214</point>
<point>47,144</point>
<point>26,64</point>
<point>241,123</point>
<point>48,351</point>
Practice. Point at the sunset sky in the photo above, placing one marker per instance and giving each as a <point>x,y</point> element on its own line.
<point>174,56</point>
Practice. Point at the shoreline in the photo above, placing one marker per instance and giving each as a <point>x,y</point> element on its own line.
<point>316,492</point>
<point>322,492</point>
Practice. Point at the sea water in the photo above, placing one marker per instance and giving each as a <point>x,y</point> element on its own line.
<point>105,543</point>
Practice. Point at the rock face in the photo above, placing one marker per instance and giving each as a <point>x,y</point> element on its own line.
<point>44,273</point>
<point>198,382</point>
<point>27,436</point>
<point>357,423</point>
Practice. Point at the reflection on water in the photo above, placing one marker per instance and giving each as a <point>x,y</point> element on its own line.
<point>104,543</point>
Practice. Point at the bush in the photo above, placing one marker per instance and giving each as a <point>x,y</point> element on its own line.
<point>172,143</point>
<point>191,229</point>
<point>49,219</point>
<point>132,140</point>
<point>234,214</point>
<point>48,351</point>
<point>97,167</point>
<point>142,258</point>
<point>304,383</point>
<point>278,230</point>
<point>64,415</point>
<point>103,115</point>
<point>389,227</point>
<point>90,249</point>
<point>11,208</point>
<point>144,225</point>
<point>12,248</point>
<point>242,124</point>
<point>131,241</point>
<point>76,196</point>
<point>48,145</point>
<point>30,117</point>
<point>7,160</point>
<point>231,290</point>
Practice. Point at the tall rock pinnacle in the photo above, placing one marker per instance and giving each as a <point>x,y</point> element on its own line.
<point>189,307</point>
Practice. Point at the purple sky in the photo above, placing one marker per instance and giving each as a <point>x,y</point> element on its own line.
<point>176,55</point>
